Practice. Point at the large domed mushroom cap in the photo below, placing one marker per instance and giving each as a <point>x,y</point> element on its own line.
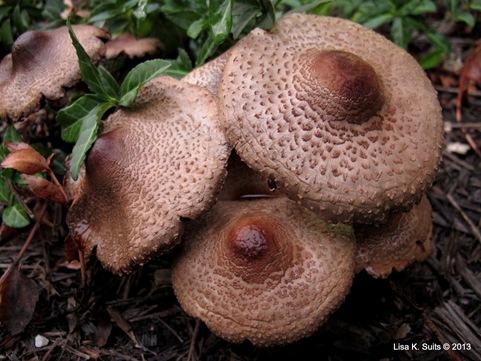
<point>41,65</point>
<point>343,119</point>
<point>266,270</point>
<point>160,161</point>
<point>403,239</point>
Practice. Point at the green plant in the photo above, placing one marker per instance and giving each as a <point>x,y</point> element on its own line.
<point>80,121</point>
<point>16,17</point>
<point>406,19</point>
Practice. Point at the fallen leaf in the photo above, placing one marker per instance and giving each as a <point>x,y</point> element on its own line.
<point>100,330</point>
<point>24,159</point>
<point>14,146</point>
<point>45,189</point>
<point>18,297</point>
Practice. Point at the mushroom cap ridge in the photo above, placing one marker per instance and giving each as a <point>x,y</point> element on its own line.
<point>289,117</point>
<point>160,161</point>
<point>208,75</point>
<point>41,65</point>
<point>266,270</point>
<point>403,239</point>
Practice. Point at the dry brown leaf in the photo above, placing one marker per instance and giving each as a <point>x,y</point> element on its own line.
<point>45,189</point>
<point>471,72</point>
<point>24,159</point>
<point>18,297</point>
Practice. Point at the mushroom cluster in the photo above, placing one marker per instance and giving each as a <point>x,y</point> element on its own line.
<point>336,134</point>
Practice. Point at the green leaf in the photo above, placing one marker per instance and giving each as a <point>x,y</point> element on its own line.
<point>220,18</point>
<point>400,32</point>
<point>15,216</point>
<point>243,15</point>
<point>308,7</point>
<point>20,19</point>
<point>377,21</point>
<point>137,77</point>
<point>6,34</point>
<point>466,18</point>
<point>5,194</point>
<point>11,135</point>
<point>87,136</point>
<point>197,27</point>
<point>141,11</point>
<point>268,17</point>
<point>71,117</point>
<point>439,41</point>
<point>475,5</point>
<point>432,59</point>
<point>88,71</point>
<point>179,67</point>
<point>208,48</point>
<point>425,6</point>
<point>110,85</point>
<point>104,12</point>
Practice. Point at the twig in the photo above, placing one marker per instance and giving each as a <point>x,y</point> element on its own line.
<point>32,232</point>
<point>191,355</point>
<point>471,225</point>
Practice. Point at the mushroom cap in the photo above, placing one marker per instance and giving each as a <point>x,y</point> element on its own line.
<point>162,160</point>
<point>265,270</point>
<point>132,47</point>
<point>393,245</point>
<point>41,65</point>
<point>343,119</point>
<point>208,75</point>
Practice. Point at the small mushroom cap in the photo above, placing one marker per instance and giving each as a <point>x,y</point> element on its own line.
<point>393,245</point>
<point>162,160</point>
<point>266,270</point>
<point>208,75</point>
<point>132,47</point>
<point>41,65</point>
<point>343,119</point>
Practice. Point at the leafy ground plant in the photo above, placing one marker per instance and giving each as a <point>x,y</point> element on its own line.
<point>80,121</point>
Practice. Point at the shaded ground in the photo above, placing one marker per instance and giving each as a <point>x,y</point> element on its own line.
<point>136,317</point>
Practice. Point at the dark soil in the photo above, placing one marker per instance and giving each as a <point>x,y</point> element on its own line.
<point>137,317</point>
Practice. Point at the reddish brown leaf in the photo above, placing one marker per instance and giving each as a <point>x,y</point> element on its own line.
<point>25,159</point>
<point>14,146</point>
<point>71,249</point>
<point>101,330</point>
<point>18,297</point>
<point>45,189</point>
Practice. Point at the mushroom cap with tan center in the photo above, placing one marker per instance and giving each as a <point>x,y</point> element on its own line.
<point>154,164</point>
<point>41,65</point>
<point>208,75</point>
<point>266,270</point>
<point>403,239</point>
<point>343,119</point>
